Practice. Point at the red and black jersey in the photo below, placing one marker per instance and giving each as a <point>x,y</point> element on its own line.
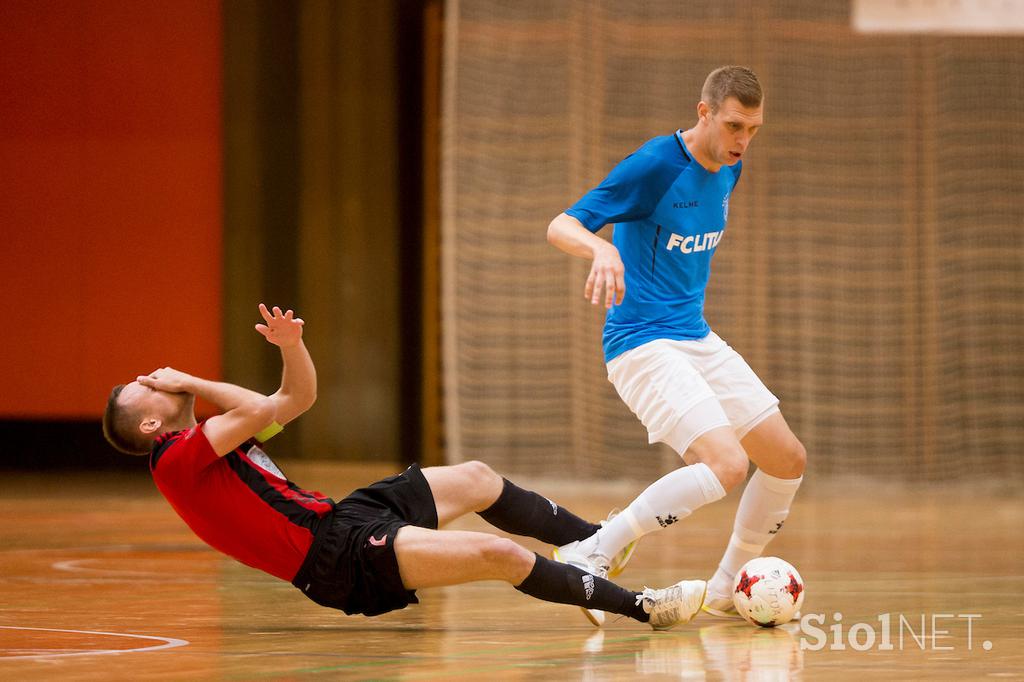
<point>241,503</point>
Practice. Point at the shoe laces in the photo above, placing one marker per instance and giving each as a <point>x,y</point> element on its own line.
<point>646,599</point>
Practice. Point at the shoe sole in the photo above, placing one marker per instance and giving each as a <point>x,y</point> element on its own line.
<point>595,616</point>
<point>614,572</point>
<point>719,613</point>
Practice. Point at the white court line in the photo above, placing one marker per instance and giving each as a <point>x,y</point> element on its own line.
<point>107,575</point>
<point>111,548</point>
<point>168,643</point>
<point>73,566</point>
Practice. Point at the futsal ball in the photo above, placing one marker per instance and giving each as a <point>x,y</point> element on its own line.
<point>768,591</point>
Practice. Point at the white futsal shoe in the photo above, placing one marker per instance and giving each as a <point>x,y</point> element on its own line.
<point>673,605</point>
<point>720,606</point>
<point>723,607</point>
<point>594,564</point>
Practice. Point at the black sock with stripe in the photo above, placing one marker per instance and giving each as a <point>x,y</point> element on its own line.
<point>523,512</point>
<point>565,584</point>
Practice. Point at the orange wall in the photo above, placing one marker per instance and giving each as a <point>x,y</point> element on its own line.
<point>110,198</point>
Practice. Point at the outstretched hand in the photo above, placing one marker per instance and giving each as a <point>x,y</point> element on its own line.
<point>281,329</point>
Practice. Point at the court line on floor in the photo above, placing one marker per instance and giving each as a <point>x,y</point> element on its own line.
<point>168,643</point>
<point>74,566</point>
<point>101,575</point>
<point>108,575</point>
<point>159,547</point>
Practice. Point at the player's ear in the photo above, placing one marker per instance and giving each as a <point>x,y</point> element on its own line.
<point>703,111</point>
<point>150,425</point>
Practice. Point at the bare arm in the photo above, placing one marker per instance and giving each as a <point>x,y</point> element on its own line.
<point>298,375</point>
<point>245,412</point>
<point>607,270</point>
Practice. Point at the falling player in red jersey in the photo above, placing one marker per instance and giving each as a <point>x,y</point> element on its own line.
<point>371,551</point>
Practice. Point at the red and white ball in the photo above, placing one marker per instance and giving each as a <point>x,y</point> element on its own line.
<point>768,591</point>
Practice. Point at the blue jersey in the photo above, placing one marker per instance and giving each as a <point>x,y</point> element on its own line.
<point>670,214</point>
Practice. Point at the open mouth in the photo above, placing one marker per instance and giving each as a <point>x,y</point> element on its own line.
<point>735,155</point>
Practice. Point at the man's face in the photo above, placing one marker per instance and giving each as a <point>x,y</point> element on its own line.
<point>149,402</point>
<point>730,130</point>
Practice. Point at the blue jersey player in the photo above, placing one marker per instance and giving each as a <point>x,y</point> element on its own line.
<point>669,201</point>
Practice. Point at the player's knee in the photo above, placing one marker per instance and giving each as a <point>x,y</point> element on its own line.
<point>730,468</point>
<point>478,473</point>
<point>795,459</point>
<point>506,556</point>
<point>481,483</point>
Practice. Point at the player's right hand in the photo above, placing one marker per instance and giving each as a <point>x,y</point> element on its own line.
<point>167,379</point>
<point>606,271</point>
<point>282,328</point>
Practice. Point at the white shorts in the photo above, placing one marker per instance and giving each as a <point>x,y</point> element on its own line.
<point>680,390</point>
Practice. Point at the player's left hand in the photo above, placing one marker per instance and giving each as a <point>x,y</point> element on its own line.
<point>281,329</point>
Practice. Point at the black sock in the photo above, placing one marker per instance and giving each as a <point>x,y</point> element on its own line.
<point>523,512</point>
<point>565,584</point>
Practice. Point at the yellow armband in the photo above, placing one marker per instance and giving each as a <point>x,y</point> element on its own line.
<point>269,432</point>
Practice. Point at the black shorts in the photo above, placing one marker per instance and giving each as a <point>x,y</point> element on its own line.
<point>351,564</point>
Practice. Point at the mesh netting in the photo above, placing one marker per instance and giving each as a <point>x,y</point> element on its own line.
<point>872,268</point>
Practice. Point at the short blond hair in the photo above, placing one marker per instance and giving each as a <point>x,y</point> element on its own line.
<point>732,81</point>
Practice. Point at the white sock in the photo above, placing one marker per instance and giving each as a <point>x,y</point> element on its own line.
<point>668,500</point>
<point>763,508</point>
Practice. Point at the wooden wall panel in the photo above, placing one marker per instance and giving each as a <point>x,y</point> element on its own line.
<point>110,214</point>
<point>312,219</point>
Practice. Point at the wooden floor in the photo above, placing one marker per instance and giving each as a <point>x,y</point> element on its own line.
<point>100,580</point>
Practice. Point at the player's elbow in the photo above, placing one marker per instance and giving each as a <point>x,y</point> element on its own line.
<point>554,233</point>
<point>304,398</point>
<point>307,401</point>
<point>292,405</point>
<point>261,411</point>
<point>551,233</point>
